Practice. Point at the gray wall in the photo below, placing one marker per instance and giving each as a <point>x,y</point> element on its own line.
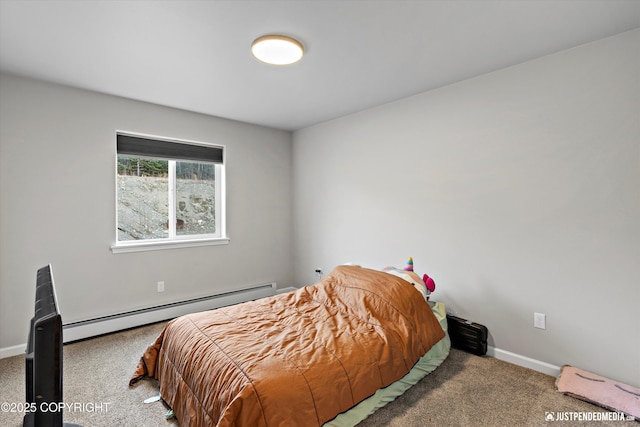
<point>57,205</point>
<point>518,191</point>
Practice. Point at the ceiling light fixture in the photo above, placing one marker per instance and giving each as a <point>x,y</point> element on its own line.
<point>277,49</point>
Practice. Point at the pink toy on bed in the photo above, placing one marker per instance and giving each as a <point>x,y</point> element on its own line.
<point>428,281</point>
<point>424,286</point>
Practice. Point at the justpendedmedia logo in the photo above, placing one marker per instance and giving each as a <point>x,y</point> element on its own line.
<point>587,416</point>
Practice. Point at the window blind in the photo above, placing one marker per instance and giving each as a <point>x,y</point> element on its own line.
<point>157,148</point>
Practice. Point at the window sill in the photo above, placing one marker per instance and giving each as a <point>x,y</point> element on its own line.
<point>136,246</point>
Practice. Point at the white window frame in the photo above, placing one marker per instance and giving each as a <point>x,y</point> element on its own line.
<point>174,241</point>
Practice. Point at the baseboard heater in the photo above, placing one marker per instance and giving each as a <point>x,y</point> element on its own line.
<point>82,329</point>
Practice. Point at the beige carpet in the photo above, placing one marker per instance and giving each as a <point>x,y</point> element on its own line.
<point>465,390</point>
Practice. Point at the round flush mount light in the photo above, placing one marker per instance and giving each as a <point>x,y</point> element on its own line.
<point>277,49</point>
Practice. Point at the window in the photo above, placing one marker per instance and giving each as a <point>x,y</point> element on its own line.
<point>169,193</point>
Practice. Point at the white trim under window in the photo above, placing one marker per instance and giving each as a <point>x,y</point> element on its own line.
<point>169,194</point>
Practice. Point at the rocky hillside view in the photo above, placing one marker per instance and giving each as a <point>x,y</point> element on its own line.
<point>143,207</point>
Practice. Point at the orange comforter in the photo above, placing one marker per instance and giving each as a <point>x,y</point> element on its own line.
<point>294,359</point>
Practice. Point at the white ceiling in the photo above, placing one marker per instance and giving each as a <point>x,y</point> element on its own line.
<point>194,55</point>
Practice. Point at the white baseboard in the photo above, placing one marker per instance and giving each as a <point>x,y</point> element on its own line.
<point>524,361</point>
<point>13,351</point>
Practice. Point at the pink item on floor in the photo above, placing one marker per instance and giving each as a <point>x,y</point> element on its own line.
<point>598,390</point>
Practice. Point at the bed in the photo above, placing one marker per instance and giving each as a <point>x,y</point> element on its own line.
<point>330,353</point>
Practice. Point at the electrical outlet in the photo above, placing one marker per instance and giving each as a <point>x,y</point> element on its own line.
<point>539,320</point>
<point>160,286</point>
